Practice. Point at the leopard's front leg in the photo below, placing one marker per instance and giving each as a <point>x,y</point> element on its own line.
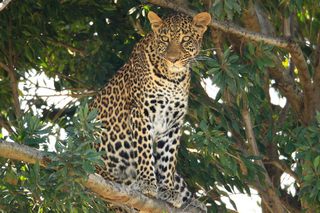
<point>141,135</point>
<point>172,187</point>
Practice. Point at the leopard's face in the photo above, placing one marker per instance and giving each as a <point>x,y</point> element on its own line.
<point>178,38</point>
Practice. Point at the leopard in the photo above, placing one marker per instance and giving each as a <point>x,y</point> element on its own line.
<point>142,109</point>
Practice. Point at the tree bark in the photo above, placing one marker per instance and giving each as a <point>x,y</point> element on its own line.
<point>12,72</point>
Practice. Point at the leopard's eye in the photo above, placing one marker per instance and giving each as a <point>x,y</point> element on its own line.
<point>164,38</point>
<point>186,38</point>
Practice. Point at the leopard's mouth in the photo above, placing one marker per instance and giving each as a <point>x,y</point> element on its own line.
<point>176,66</point>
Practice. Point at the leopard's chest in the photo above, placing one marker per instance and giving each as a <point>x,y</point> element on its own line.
<point>166,110</point>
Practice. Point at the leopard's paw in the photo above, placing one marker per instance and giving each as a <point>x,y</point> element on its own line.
<point>170,196</point>
<point>193,202</point>
<point>145,187</point>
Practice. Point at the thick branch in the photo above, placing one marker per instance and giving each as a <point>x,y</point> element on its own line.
<point>285,168</point>
<point>264,193</point>
<point>15,93</point>
<point>316,77</point>
<point>13,81</point>
<point>228,27</point>
<point>305,80</point>
<point>249,132</point>
<point>287,88</point>
<point>12,73</point>
<point>109,191</point>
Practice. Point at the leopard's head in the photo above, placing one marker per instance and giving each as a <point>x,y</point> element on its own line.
<point>178,37</point>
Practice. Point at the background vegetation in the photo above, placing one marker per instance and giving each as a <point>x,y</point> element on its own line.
<point>235,140</point>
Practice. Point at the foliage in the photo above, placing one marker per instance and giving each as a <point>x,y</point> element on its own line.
<point>58,188</point>
<point>79,45</point>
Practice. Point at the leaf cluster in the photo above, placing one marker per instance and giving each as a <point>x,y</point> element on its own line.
<point>59,188</point>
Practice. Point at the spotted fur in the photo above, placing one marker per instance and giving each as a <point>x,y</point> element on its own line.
<point>143,106</point>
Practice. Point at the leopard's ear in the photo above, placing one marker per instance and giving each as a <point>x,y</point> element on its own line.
<point>201,21</point>
<point>155,21</point>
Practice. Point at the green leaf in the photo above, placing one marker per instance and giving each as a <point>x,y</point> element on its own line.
<point>203,125</point>
<point>87,167</point>
<point>316,162</point>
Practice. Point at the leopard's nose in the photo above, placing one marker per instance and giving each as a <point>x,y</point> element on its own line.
<point>173,52</point>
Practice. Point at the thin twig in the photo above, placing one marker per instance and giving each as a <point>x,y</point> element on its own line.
<point>82,53</point>
<point>72,79</point>
<point>56,116</point>
<point>5,67</point>
<point>73,95</point>
<point>64,89</point>
<point>5,124</point>
<point>137,26</point>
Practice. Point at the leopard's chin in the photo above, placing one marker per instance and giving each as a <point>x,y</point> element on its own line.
<point>176,69</point>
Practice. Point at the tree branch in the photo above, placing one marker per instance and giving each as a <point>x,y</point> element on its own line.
<point>107,190</point>
<point>316,76</point>
<point>228,27</point>
<point>82,53</point>
<point>6,125</point>
<point>69,94</point>
<point>4,4</point>
<point>285,168</point>
<point>272,200</point>
<point>83,84</point>
<point>297,60</point>
<point>12,73</point>
<point>5,67</point>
